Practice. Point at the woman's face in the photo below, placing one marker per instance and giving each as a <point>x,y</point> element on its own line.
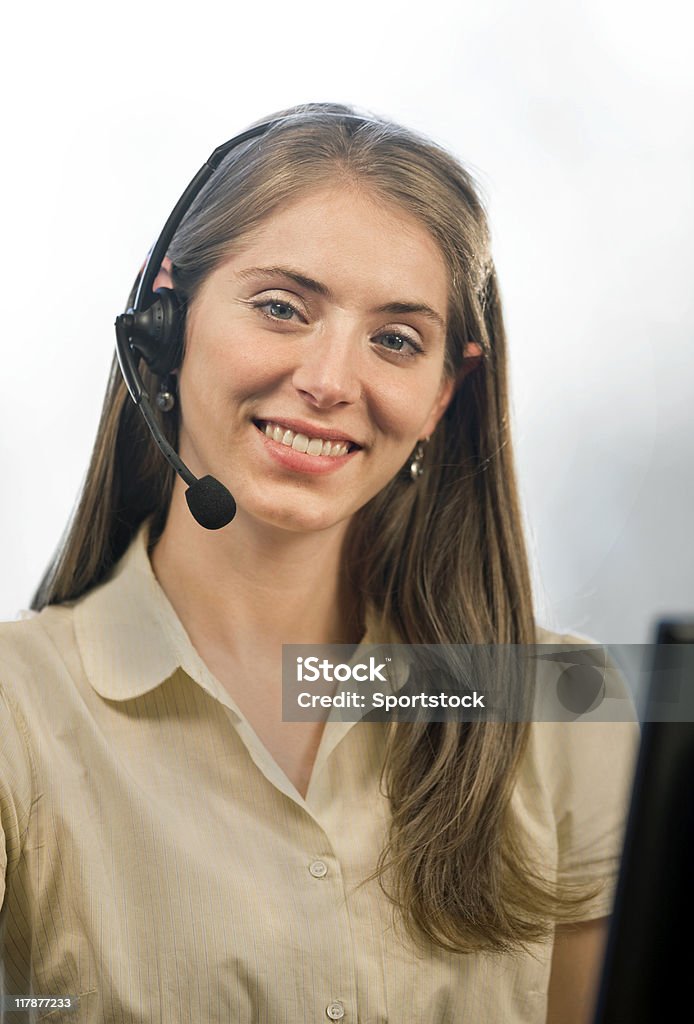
<point>314,359</point>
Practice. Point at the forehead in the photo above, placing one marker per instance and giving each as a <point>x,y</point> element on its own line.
<point>356,239</point>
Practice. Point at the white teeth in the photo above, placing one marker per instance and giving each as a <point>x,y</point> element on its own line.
<point>301,443</point>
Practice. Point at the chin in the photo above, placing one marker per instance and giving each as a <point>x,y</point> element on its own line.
<point>297,519</point>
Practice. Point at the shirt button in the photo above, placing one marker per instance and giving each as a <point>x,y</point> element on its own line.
<point>335,1011</point>
<point>319,869</point>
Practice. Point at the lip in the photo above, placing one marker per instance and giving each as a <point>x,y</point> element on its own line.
<point>309,429</point>
<point>300,462</point>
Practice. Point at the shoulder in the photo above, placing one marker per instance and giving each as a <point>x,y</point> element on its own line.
<point>568,733</point>
<point>42,695</point>
<point>29,660</point>
<point>583,764</point>
<point>574,781</point>
<point>39,664</point>
<point>34,644</point>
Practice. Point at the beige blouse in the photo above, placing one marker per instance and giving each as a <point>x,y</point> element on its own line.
<point>156,862</point>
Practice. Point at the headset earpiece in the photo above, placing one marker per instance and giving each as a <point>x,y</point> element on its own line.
<point>157,332</point>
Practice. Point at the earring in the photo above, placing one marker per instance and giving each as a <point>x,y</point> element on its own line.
<point>417,464</point>
<point>166,395</point>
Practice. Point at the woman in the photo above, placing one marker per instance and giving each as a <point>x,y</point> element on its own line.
<point>177,851</point>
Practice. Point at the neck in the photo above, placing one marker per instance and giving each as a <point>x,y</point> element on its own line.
<point>252,587</point>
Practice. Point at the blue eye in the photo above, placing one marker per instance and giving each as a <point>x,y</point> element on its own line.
<point>398,343</point>
<point>278,310</point>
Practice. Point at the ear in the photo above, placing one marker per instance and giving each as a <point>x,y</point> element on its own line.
<point>163,278</point>
<point>446,392</point>
<point>472,358</point>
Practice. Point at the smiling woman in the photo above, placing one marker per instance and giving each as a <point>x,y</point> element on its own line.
<point>173,849</point>
<point>322,360</point>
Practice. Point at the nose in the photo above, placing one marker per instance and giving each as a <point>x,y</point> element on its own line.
<point>328,373</point>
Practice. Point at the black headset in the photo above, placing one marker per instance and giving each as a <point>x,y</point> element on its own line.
<point>152,329</point>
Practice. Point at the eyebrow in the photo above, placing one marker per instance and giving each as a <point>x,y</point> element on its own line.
<point>321,289</point>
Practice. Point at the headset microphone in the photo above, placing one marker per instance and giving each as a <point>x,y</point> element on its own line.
<point>209,501</point>
<point>153,330</point>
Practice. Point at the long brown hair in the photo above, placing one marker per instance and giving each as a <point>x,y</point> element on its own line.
<point>443,562</point>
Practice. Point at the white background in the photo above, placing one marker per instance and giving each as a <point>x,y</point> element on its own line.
<point>577,119</point>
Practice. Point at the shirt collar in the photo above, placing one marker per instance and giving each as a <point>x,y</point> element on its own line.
<point>130,638</point>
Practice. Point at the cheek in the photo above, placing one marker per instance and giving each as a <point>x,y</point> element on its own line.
<point>205,394</point>
<point>222,371</point>
<point>401,412</point>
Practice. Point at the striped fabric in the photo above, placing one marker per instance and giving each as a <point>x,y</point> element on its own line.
<point>157,863</point>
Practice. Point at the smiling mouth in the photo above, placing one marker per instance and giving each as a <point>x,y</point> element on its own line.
<point>317,446</point>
